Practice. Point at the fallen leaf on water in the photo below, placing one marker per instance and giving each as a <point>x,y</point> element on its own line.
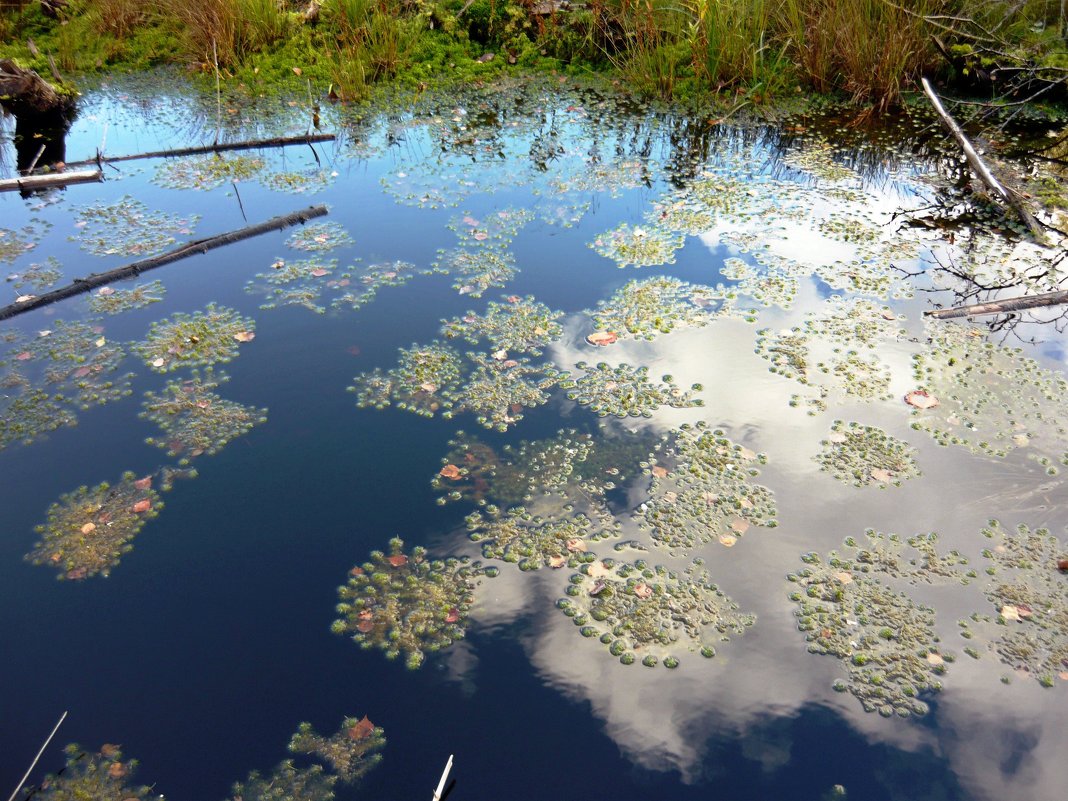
<point>453,616</point>
<point>727,540</point>
<point>397,560</point>
<point>24,298</point>
<point>158,362</point>
<point>362,729</point>
<point>1020,440</point>
<point>739,525</point>
<point>297,70</point>
<point>1010,612</point>
<point>100,342</point>
<point>837,437</point>
<point>576,545</point>
<point>244,336</point>
<point>364,626</point>
<point>82,372</point>
<point>884,476</point>
<point>889,315</point>
<point>659,471</point>
<point>601,338</point>
<point>471,221</point>
<point>643,590</point>
<point>142,505</point>
<point>845,578</point>
<point>557,561</point>
<point>500,355</point>
<point>105,291</point>
<point>450,471</point>
<point>598,570</point>
<point>143,483</point>
<point>77,573</point>
<point>24,356</point>
<point>109,750</point>
<point>88,528</point>
<point>935,659</point>
<point>319,272</point>
<point>921,399</point>
<point>117,770</point>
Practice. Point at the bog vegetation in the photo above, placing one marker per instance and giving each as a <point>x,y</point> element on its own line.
<point>736,51</point>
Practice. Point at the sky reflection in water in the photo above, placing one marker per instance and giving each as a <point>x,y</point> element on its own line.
<point>413,185</point>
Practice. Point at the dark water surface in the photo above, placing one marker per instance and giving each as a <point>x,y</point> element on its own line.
<point>205,648</point>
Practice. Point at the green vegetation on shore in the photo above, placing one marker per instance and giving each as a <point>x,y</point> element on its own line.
<point>736,51</point>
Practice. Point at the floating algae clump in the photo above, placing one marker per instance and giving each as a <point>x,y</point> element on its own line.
<point>80,363</point>
<point>319,237</point>
<point>532,541</point>
<point>625,391</point>
<point>207,172</point>
<point>89,530</point>
<point>193,340</point>
<point>835,349</point>
<point>817,159</point>
<point>1029,594</point>
<point>990,399</point>
<point>31,414</point>
<point>639,246</point>
<point>39,275</point>
<point>112,301</point>
<point>424,381</point>
<point>638,609</point>
<point>408,604</point>
<point>863,455</point>
<point>129,228</point>
<point>295,283</point>
<point>643,309</point>
<point>498,390</point>
<point>286,783</point>
<point>521,324</point>
<point>475,270</point>
<point>360,284</point>
<point>304,182</point>
<point>194,419</point>
<point>701,490</point>
<point>885,640</point>
<point>351,752</point>
<point>87,776</point>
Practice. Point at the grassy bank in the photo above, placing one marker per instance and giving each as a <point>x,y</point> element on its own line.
<point>733,51</point>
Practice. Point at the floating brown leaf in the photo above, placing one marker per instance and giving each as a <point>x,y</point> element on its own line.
<point>601,338</point>
<point>244,336</point>
<point>397,560</point>
<point>142,505</point>
<point>362,729</point>
<point>450,471</point>
<point>643,590</point>
<point>921,399</point>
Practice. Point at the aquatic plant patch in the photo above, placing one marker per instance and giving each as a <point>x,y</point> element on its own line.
<point>108,300</point>
<point>194,420</point>
<point>407,603</point>
<point>351,751</point>
<point>864,455</point>
<point>425,381</point>
<point>638,246</point>
<point>625,391</point>
<point>87,774</point>
<point>319,237</point>
<point>648,613</point>
<point>643,309</point>
<point>519,324</point>
<point>207,172</point>
<point>286,783</point>
<point>195,340</point>
<point>128,227</point>
<point>88,530</point>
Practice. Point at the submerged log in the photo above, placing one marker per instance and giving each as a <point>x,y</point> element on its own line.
<point>31,183</point>
<point>983,172</point>
<point>1001,306</point>
<point>252,144</point>
<point>82,285</point>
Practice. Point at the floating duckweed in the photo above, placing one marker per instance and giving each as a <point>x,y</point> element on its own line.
<point>351,751</point>
<point>473,471</point>
<point>304,182</point>
<point>424,381</point>
<point>286,783</point>
<point>817,159</point>
<point>533,542</point>
<point>881,637</point>
<point>863,455</point>
<point>494,230</point>
<point>294,283</point>
<point>195,420</point>
<point>990,399</point>
<point>207,172</point>
<point>1028,629</point>
<point>518,324</point>
<point>88,775</point>
<point>643,309</point>
<point>15,243</point>
<point>497,391</point>
<point>31,414</point>
<point>37,276</point>
<point>683,214</point>
<point>360,284</point>
<point>652,610</point>
<point>624,391</point>
<point>638,246</point>
<point>89,530</point>
<point>701,490</point>
<point>80,363</point>
<point>113,301</point>
<point>193,340</point>
<point>406,603</point>
<point>319,237</point>
<point>129,228</point>
<point>770,290</point>
<point>476,269</point>
<point>849,228</point>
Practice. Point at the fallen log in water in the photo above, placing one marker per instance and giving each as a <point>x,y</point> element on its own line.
<point>281,141</point>
<point>1001,306</point>
<point>94,280</point>
<point>981,170</point>
<point>29,183</point>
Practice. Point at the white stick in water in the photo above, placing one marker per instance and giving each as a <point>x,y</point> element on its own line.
<point>444,778</point>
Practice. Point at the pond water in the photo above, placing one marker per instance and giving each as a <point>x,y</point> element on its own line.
<point>650,401</point>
